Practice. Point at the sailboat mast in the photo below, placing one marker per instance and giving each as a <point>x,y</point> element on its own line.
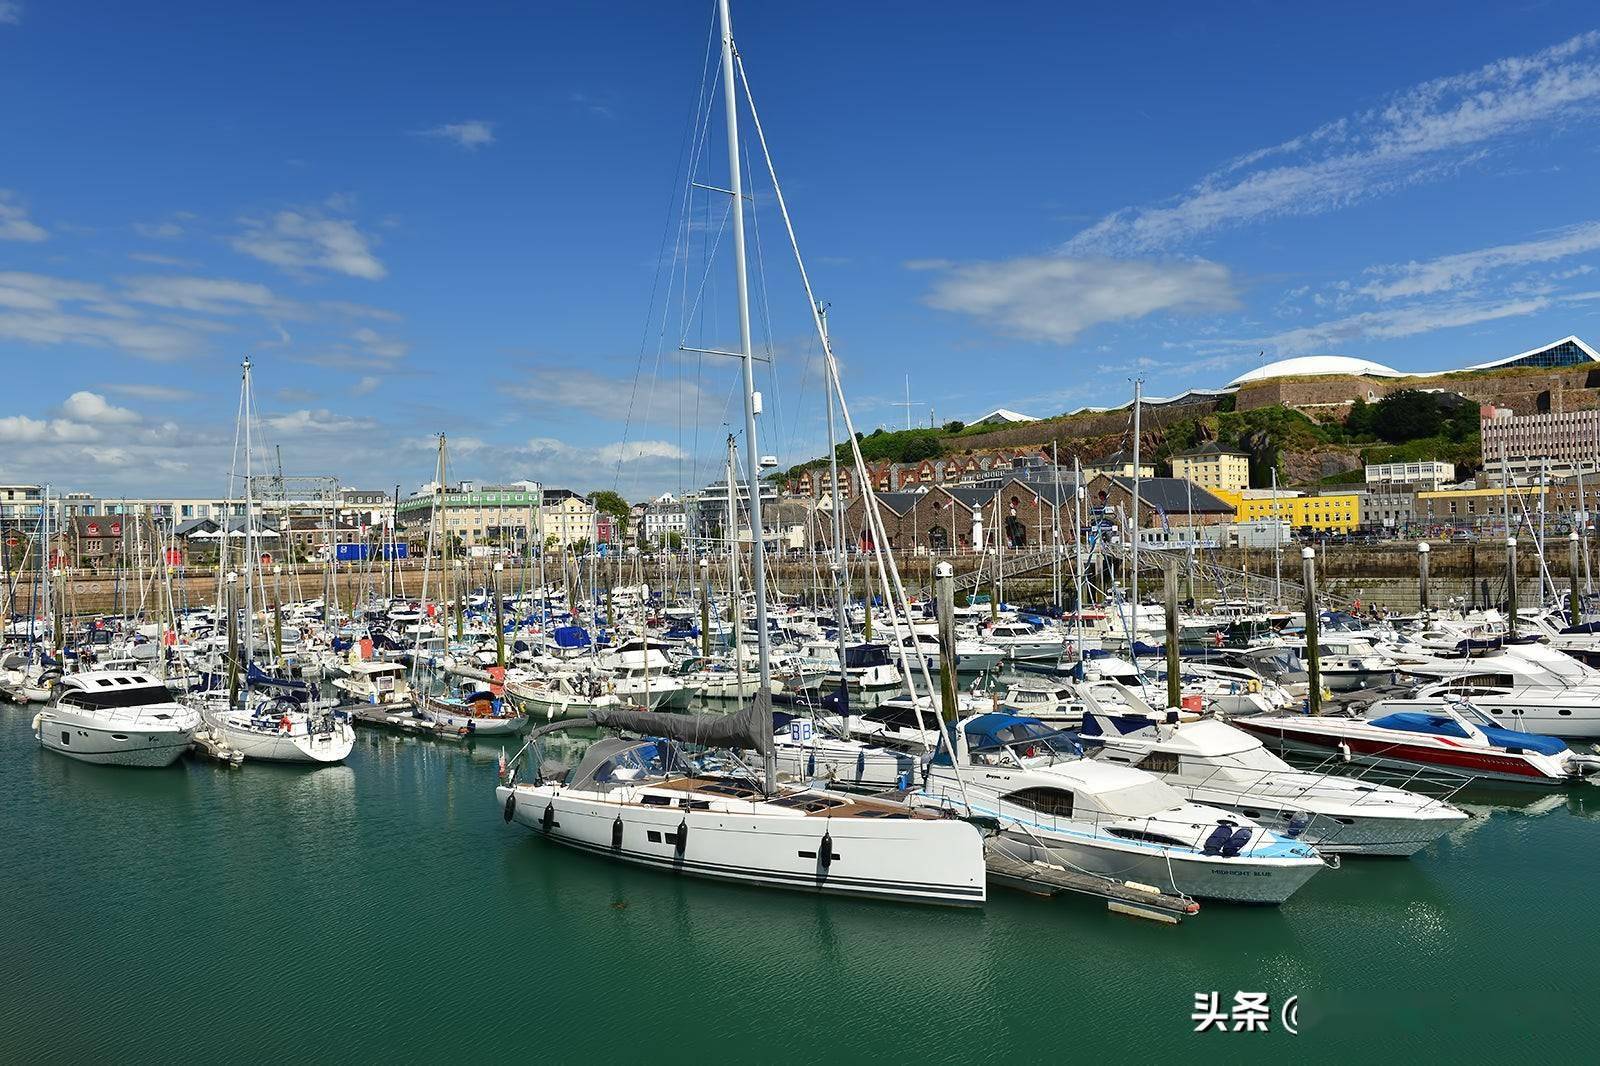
<point>840,573</point>
<point>752,452</point>
<point>249,531</point>
<point>1138,395</point>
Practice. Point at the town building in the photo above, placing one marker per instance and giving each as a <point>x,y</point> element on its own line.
<point>706,511</point>
<point>1525,448</point>
<point>947,519</point>
<point>1119,464</point>
<point>662,519</point>
<point>476,514</point>
<point>1428,473</point>
<point>1338,512</point>
<point>1390,507</point>
<point>566,519</point>
<point>1163,501</point>
<point>1213,466</point>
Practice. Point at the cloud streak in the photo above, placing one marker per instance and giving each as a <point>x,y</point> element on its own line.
<point>304,241</point>
<point>15,225</point>
<point>1415,136</point>
<point>1056,299</point>
<point>471,135</point>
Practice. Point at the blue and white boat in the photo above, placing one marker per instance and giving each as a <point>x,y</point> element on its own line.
<point>1055,807</point>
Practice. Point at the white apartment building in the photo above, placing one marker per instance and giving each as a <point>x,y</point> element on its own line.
<point>1526,446</point>
<point>1428,474</point>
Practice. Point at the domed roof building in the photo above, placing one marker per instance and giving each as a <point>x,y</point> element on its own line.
<point>1316,366</point>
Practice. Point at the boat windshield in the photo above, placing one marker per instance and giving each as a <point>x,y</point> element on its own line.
<point>106,699</point>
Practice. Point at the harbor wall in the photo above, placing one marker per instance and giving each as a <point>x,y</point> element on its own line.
<point>1386,575</point>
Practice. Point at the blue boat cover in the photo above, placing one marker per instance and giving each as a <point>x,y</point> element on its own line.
<point>1442,726</point>
<point>571,637</point>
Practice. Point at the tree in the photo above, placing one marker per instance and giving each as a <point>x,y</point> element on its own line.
<point>674,540</point>
<point>607,502</point>
<point>1407,415</point>
<point>954,426</point>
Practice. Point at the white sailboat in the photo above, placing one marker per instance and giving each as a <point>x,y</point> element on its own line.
<point>274,722</point>
<point>647,802</point>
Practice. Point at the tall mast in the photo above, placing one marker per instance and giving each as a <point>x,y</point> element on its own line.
<point>1138,394</point>
<point>838,561</point>
<point>752,452</point>
<point>250,559</point>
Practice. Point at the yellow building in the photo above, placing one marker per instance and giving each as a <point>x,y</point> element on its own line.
<point>1335,512</point>
<point>1211,466</point>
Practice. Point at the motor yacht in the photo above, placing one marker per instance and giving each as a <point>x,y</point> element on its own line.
<point>1054,806</point>
<point>116,719</point>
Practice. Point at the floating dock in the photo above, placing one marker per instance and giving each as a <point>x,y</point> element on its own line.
<point>209,745</point>
<point>1122,897</point>
<point>396,719</point>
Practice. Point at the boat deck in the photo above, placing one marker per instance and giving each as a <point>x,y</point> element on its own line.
<point>812,804</point>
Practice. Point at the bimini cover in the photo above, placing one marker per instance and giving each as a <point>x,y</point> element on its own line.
<point>571,637</point>
<point>863,655</point>
<point>1443,726</point>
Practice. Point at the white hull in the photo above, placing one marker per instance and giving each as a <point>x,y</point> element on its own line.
<point>483,727</point>
<point>294,747</point>
<point>116,746</point>
<point>1233,880</point>
<point>910,860</point>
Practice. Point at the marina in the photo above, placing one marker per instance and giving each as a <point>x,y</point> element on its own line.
<point>1267,708</point>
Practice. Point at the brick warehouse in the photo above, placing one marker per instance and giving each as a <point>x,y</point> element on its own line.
<point>945,519</point>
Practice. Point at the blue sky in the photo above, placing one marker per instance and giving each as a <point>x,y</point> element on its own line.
<point>471,219</point>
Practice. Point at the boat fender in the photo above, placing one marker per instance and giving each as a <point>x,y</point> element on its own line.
<point>825,851</point>
<point>683,835</point>
<point>511,807</point>
<point>1236,843</point>
<point>616,834</point>
<point>861,764</point>
<point>1344,751</point>
<point>1218,838</point>
<point>811,765</point>
<point>549,818</point>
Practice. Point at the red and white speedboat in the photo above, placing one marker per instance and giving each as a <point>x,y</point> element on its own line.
<point>1455,736</point>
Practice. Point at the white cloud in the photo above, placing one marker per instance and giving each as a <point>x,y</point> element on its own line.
<point>1391,324</point>
<point>305,240</point>
<point>1055,299</point>
<point>10,12</point>
<point>366,386</point>
<point>158,259</point>
<point>143,391</point>
<point>379,345</point>
<point>91,407</point>
<point>212,296</point>
<point>1454,271</point>
<point>552,448</point>
<point>320,420</point>
<point>14,222</point>
<point>471,135</point>
<point>20,429</point>
<point>164,231</point>
<point>1415,136</point>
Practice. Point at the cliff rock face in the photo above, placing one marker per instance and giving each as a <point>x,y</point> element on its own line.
<point>1303,467</point>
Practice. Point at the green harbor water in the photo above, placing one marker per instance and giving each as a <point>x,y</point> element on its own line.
<point>382,910</point>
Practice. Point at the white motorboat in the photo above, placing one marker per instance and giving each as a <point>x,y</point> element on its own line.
<point>641,674</point>
<point>1213,763</point>
<point>1558,712</point>
<point>1054,806</point>
<point>116,719</point>
<point>374,681</point>
<point>1019,640</point>
<point>1453,736</point>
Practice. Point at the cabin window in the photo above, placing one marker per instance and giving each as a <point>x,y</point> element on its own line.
<point>65,737</point>
<point>1147,837</point>
<point>1159,762</point>
<point>1051,801</point>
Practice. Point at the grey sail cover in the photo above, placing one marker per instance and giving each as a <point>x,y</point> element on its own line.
<point>749,727</point>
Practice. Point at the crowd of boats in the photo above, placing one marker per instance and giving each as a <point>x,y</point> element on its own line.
<point>857,738</point>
